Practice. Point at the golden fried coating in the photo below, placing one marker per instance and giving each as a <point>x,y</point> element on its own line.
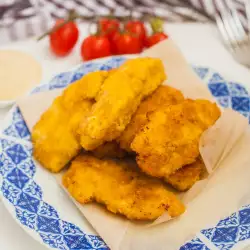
<point>170,140</point>
<point>121,187</point>
<point>118,99</point>
<point>184,178</point>
<point>86,87</point>
<point>54,136</point>
<point>148,70</point>
<point>109,149</point>
<point>163,96</point>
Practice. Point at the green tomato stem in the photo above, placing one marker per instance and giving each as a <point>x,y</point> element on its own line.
<point>156,25</point>
<point>70,19</point>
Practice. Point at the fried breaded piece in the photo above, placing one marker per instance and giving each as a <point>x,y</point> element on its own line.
<point>184,178</point>
<point>164,95</point>
<point>170,140</point>
<point>121,187</point>
<point>120,95</point>
<point>54,140</point>
<point>109,149</point>
<point>87,87</point>
<point>54,136</point>
<point>148,70</point>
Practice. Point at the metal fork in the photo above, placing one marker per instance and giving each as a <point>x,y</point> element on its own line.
<point>234,35</point>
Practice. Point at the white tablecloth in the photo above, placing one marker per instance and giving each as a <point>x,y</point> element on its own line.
<point>200,44</point>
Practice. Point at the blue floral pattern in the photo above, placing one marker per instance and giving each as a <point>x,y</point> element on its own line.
<point>230,230</point>
<point>17,128</point>
<point>194,244</point>
<point>19,189</point>
<point>17,171</point>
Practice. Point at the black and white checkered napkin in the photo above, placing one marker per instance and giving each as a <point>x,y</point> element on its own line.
<point>20,19</point>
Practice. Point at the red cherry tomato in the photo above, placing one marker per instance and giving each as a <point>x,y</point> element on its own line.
<point>138,28</point>
<point>63,39</point>
<point>155,38</point>
<point>126,44</point>
<point>109,26</point>
<point>113,42</point>
<point>95,46</point>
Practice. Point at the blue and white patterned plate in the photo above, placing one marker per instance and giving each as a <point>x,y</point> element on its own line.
<point>41,207</point>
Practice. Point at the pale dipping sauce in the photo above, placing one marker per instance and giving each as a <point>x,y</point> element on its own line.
<point>19,72</point>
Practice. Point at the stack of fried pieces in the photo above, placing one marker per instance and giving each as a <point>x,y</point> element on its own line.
<point>105,119</point>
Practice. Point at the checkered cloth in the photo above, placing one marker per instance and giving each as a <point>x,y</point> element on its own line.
<point>20,19</point>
